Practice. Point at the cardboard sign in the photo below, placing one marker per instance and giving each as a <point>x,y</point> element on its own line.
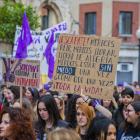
<point>41,41</point>
<point>21,72</point>
<point>88,63</point>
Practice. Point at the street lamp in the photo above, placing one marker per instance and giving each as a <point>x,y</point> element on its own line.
<point>138,36</point>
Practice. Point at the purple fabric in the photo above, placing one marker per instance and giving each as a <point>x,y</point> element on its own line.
<point>47,87</point>
<point>138,92</point>
<point>25,39</point>
<point>120,83</point>
<point>74,33</point>
<point>95,102</point>
<point>49,56</point>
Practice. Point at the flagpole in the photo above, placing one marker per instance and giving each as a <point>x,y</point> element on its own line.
<point>42,59</point>
<point>35,50</point>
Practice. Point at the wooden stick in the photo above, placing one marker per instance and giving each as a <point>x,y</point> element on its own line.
<point>42,60</point>
<point>21,97</point>
<point>35,50</point>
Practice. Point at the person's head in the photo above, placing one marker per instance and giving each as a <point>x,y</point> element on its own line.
<point>116,96</point>
<point>84,116</point>
<point>102,128</point>
<point>33,95</point>
<point>26,105</point>
<point>137,87</point>
<point>13,93</point>
<point>14,122</point>
<point>74,102</point>
<point>50,92</point>
<point>120,87</point>
<point>41,92</point>
<point>108,104</point>
<point>133,116</point>
<point>47,110</point>
<point>63,134</point>
<point>127,96</point>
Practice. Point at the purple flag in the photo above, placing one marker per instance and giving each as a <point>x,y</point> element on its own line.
<point>49,56</point>
<point>74,33</point>
<point>25,39</point>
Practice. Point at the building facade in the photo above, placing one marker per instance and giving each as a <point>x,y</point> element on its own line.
<point>111,18</point>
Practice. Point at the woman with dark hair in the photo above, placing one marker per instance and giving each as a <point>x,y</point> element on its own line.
<point>50,92</point>
<point>33,95</point>
<point>13,93</point>
<point>130,129</point>
<point>4,94</point>
<point>16,125</point>
<point>48,116</point>
<point>102,128</point>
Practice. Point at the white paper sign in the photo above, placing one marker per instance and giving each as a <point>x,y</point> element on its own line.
<point>41,40</point>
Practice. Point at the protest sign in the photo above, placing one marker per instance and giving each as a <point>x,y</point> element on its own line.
<point>88,63</point>
<point>40,41</point>
<point>21,72</point>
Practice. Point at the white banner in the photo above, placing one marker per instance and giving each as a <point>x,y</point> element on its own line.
<point>41,40</point>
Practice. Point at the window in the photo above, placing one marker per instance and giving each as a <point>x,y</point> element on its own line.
<point>90,23</point>
<point>45,19</point>
<point>125,23</point>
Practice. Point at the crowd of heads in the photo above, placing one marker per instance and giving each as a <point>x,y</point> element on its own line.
<point>51,115</point>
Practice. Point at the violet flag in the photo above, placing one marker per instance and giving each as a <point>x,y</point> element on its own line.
<point>25,39</point>
<point>49,56</point>
<point>74,33</point>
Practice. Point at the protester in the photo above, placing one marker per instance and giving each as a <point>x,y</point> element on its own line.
<point>16,125</point>
<point>102,128</point>
<point>119,115</point>
<point>4,94</point>
<point>60,105</point>
<point>116,94</point>
<point>108,104</point>
<point>84,115</point>
<point>13,93</point>
<point>77,100</point>
<point>48,116</point>
<point>120,87</point>
<point>33,95</point>
<point>41,92</point>
<point>63,134</point>
<point>26,105</point>
<point>130,129</point>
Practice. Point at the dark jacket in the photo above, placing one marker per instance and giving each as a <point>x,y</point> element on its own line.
<point>131,134</point>
<point>117,115</point>
<point>41,135</point>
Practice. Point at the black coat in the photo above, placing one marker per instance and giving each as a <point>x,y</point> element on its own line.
<point>40,135</point>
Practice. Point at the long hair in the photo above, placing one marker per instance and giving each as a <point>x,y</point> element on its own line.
<point>63,108</point>
<point>20,124</point>
<point>71,113</point>
<point>98,128</point>
<point>35,95</point>
<point>52,109</point>
<point>27,105</point>
<point>88,112</point>
<point>126,125</point>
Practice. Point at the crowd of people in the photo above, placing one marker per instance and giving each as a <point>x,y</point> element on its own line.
<point>52,115</point>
